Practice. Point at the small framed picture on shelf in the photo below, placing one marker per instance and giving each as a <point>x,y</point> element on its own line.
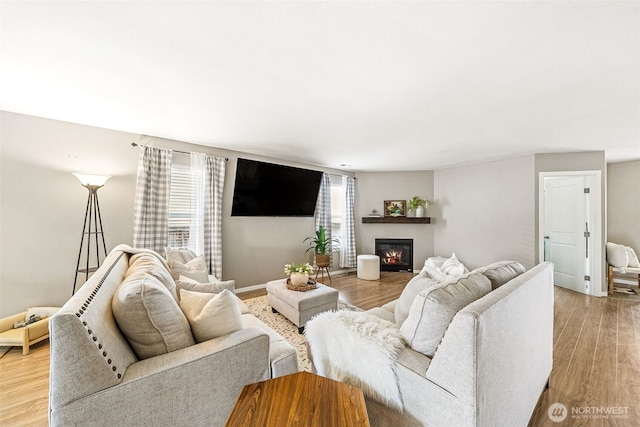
<point>395,208</point>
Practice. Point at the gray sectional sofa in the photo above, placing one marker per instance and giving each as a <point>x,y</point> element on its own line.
<point>488,368</point>
<point>99,378</point>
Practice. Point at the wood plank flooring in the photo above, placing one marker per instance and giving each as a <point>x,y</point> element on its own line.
<point>596,362</point>
<point>596,358</point>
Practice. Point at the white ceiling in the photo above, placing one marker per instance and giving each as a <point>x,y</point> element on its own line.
<point>376,86</point>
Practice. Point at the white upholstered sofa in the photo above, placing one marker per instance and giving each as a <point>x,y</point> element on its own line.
<point>487,370</point>
<point>99,378</point>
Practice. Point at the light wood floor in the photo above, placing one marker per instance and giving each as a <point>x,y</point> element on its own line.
<point>596,357</point>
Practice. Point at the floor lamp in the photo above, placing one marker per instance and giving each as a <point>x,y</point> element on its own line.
<point>92,225</point>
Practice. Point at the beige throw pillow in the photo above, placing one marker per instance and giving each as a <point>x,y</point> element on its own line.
<point>149,316</point>
<point>189,284</point>
<point>434,308</point>
<point>195,269</point>
<point>181,255</point>
<point>211,315</point>
<point>147,263</point>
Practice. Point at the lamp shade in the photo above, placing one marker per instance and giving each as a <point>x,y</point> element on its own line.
<point>90,179</point>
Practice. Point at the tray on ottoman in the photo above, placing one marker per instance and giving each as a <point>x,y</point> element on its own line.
<point>300,307</point>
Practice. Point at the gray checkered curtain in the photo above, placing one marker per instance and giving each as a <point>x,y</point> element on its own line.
<point>348,240</point>
<point>151,206</point>
<point>213,190</point>
<point>323,208</point>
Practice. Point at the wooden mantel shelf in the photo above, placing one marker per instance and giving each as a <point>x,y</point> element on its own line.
<point>395,220</point>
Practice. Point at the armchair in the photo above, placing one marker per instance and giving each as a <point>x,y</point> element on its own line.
<point>622,263</point>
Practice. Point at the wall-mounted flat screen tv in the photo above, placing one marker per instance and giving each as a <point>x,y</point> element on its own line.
<point>267,189</point>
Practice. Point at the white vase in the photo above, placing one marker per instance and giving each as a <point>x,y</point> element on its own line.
<point>299,278</point>
<point>420,212</point>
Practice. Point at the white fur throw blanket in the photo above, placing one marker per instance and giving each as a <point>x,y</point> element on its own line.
<point>359,349</point>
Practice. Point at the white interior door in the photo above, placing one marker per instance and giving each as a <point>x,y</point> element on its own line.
<point>565,223</point>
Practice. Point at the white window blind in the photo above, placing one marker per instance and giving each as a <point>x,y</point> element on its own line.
<point>337,202</point>
<point>181,205</point>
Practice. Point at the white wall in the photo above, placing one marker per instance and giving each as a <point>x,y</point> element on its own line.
<point>42,209</point>
<point>623,217</point>
<point>43,205</point>
<point>486,212</point>
<point>372,189</point>
<point>581,161</point>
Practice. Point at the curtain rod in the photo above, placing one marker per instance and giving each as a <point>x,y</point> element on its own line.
<point>134,144</point>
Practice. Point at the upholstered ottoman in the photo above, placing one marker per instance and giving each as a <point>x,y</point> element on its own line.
<point>368,267</point>
<point>300,307</point>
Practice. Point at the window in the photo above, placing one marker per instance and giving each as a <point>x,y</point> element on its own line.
<point>181,205</point>
<point>337,205</point>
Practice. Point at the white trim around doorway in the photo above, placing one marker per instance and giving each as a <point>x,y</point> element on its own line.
<point>595,213</point>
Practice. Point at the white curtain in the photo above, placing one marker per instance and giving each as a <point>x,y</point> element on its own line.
<point>151,205</point>
<point>348,241</point>
<point>323,209</point>
<point>205,231</point>
<point>196,224</point>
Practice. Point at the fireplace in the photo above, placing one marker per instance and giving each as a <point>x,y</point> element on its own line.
<point>395,254</point>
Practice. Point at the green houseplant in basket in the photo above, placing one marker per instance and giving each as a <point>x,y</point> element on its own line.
<point>321,246</point>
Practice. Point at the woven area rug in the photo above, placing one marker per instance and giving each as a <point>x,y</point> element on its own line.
<point>286,328</point>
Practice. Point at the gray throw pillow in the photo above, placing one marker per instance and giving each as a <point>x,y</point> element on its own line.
<point>501,272</point>
<point>433,309</point>
<point>149,317</point>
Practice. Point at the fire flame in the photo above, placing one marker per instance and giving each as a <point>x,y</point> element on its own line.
<point>393,257</point>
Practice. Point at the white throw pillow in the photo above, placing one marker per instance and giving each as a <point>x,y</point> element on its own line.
<point>435,261</point>
<point>434,308</point>
<point>431,263</point>
<point>453,267</point>
<point>416,285</point>
<point>195,269</point>
<point>436,274</point>
<point>149,316</point>
<point>211,288</point>
<point>633,258</point>
<point>617,255</point>
<point>211,315</point>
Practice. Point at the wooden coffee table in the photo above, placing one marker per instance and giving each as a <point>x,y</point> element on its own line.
<point>301,399</point>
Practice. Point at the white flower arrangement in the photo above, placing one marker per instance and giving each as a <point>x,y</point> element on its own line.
<point>298,268</point>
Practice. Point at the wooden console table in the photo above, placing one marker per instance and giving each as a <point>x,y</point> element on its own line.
<point>301,399</point>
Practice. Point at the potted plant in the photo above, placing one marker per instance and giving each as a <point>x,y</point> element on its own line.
<point>298,273</point>
<point>321,245</point>
<point>418,205</point>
